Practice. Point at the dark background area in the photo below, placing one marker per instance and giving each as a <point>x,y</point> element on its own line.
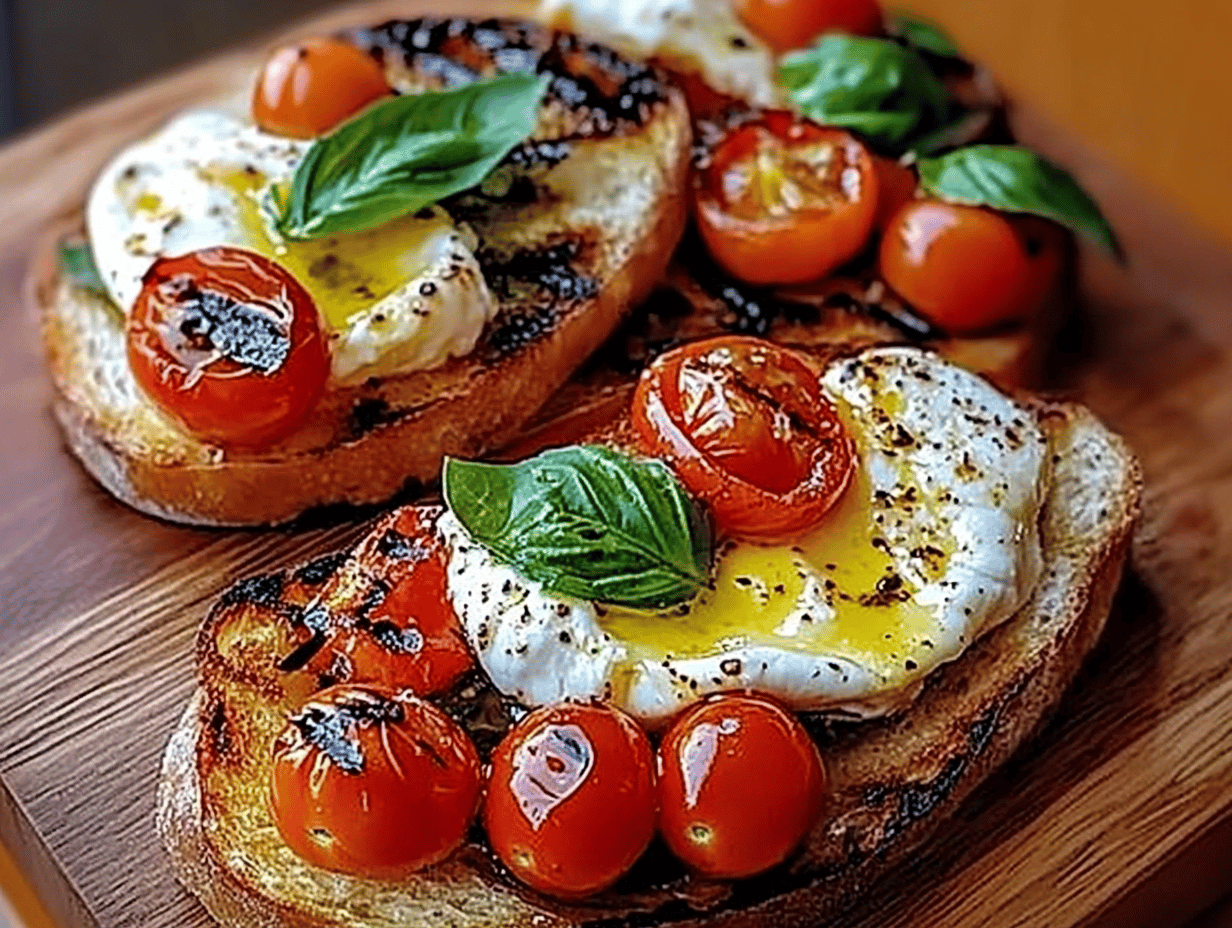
<point>55,54</point>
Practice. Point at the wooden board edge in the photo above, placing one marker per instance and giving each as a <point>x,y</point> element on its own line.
<point>1180,889</point>
<point>46,875</point>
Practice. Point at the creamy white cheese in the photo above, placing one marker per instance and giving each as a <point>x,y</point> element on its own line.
<point>936,540</point>
<point>406,296</point>
<point>702,36</point>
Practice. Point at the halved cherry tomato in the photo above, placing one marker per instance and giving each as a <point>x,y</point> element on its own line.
<point>740,785</point>
<point>965,267</point>
<point>306,90</point>
<point>788,24</point>
<point>229,343</point>
<point>571,798</point>
<point>746,427</point>
<point>373,784</point>
<point>896,185</point>
<point>784,200</point>
<point>412,639</point>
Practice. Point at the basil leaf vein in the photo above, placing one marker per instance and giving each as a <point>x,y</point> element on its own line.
<point>586,522</point>
<point>405,153</point>
<point>1017,180</point>
<point>879,89</point>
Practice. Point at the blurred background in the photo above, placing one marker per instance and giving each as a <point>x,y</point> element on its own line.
<point>1143,82</point>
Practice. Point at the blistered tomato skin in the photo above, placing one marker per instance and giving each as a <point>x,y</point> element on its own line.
<point>788,24</point>
<point>412,640</point>
<point>964,267</point>
<point>784,200</point>
<point>747,429</point>
<point>308,89</point>
<point>372,784</point>
<point>571,798</point>
<point>229,344</point>
<point>740,785</point>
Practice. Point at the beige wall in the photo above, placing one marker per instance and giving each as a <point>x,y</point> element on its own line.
<point>1147,83</point>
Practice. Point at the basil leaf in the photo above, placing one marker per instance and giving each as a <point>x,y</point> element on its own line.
<point>921,34</point>
<point>405,153</point>
<point>1017,180</point>
<point>879,89</point>
<point>587,523</point>
<point>77,264</point>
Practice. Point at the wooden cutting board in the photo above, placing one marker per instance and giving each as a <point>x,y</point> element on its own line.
<point>1120,812</point>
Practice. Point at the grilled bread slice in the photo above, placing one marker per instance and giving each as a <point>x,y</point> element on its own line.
<point>582,234</point>
<point>892,780</point>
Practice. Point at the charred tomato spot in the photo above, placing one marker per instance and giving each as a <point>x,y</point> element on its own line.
<point>332,726</point>
<point>316,572</point>
<point>393,544</point>
<point>263,590</point>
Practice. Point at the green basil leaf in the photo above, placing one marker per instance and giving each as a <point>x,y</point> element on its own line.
<point>77,264</point>
<point>407,152</point>
<point>879,89</point>
<point>1017,180</point>
<point>921,34</point>
<point>586,522</point>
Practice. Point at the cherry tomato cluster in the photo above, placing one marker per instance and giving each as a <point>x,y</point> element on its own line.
<point>370,779</point>
<point>782,200</point>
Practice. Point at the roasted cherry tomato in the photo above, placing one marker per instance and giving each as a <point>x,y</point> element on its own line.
<point>306,90</point>
<point>896,185</point>
<point>788,24</point>
<point>229,343</point>
<point>1046,245</point>
<point>373,784</point>
<point>571,798</point>
<point>965,267</point>
<point>746,427</point>
<point>784,200</point>
<point>740,785</point>
<point>412,639</point>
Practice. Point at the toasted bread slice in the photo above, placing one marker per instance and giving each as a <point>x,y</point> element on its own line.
<point>581,236</point>
<point>892,780</point>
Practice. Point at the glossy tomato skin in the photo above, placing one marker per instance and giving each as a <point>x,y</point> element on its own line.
<point>896,186</point>
<point>1047,248</point>
<point>395,793</point>
<point>788,24</point>
<point>783,200</point>
<point>966,268</point>
<point>308,89</point>
<point>571,798</point>
<point>740,785</point>
<point>746,427</point>
<point>229,344</point>
<point>412,640</point>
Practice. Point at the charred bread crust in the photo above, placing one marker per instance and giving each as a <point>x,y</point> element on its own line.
<point>892,781</point>
<point>566,267</point>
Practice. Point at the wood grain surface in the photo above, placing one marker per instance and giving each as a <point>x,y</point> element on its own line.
<point>1119,813</point>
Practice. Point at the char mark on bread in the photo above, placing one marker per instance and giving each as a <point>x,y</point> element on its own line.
<point>592,92</point>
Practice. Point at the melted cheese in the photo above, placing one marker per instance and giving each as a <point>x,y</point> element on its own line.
<point>934,542</point>
<point>405,296</point>
<point>699,36</point>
